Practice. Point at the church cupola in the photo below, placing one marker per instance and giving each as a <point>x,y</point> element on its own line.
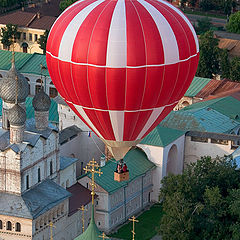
<point>41,103</point>
<point>17,119</point>
<point>12,84</point>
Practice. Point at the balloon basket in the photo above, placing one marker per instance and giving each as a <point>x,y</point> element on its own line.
<point>120,177</point>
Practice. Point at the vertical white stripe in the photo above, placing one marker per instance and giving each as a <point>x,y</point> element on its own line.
<point>117,38</point>
<point>66,45</point>
<point>86,118</point>
<point>117,120</point>
<point>186,20</point>
<point>170,46</point>
<point>155,114</point>
<point>58,19</point>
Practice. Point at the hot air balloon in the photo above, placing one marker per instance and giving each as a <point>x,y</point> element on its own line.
<point>122,65</point>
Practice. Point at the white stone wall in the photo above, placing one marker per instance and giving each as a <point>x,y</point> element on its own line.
<point>24,234</point>
<point>84,148</point>
<point>44,152</point>
<point>114,209</point>
<point>68,176</point>
<point>195,150</point>
<point>159,156</point>
<point>10,179</point>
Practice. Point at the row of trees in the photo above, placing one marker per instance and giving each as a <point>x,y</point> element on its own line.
<point>202,203</point>
<point>10,34</point>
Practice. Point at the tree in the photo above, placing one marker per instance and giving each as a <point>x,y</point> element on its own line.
<point>209,55</point>
<point>202,203</point>
<point>9,35</point>
<point>42,41</point>
<point>203,25</point>
<point>225,64</point>
<point>235,69</point>
<point>234,23</point>
<point>66,3</point>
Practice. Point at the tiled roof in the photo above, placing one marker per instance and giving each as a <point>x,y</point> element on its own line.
<point>81,196</point>
<point>217,115</point>
<point>215,87</point>
<point>25,62</point>
<point>66,162</point>
<point>137,163</point>
<point>28,19</point>
<point>34,202</point>
<point>196,86</point>
<point>228,106</point>
<point>161,136</point>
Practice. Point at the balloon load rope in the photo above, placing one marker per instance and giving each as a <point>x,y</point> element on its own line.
<point>100,150</point>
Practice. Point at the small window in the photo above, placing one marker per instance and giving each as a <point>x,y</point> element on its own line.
<point>1,225</point>
<point>39,175</point>
<point>35,37</point>
<point>24,36</point>
<point>30,37</point>
<point>27,182</point>
<point>99,223</point>
<point>219,141</point>
<point>199,139</point>
<point>9,226</point>
<point>53,92</point>
<point>1,76</point>
<point>51,168</point>
<point>18,227</point>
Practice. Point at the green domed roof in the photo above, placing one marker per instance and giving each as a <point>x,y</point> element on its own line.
<point>92,232</point>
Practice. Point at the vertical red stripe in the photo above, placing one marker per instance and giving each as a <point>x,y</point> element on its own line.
<point>115,84</point>
<point>136,55</point>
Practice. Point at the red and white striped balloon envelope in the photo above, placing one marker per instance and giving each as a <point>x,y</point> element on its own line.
<point>122,65</point>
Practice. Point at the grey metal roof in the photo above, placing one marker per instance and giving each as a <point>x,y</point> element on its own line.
<point>34,202</point>
<point>66,162</point>
<point>30,137</point>
<point>14,80</point>
<point>44,197</point>
<point>41,101</point>
<point>17,115</point>
<point>68,132</point>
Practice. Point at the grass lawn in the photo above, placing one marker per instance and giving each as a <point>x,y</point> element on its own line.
<point>146,227</point>
<point>207,14</point>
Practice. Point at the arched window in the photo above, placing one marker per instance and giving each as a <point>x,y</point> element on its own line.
<point>18,227</point>
<point>39,80</point>
<point>9,226</point>
<point>53,92</point>
<point>37,89</point>
<point>1,225</point>
<point>1,76</point>
<point>39,175</point>
<point>51,168</point>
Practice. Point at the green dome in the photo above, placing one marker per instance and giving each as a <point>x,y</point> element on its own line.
<point>92,232</point>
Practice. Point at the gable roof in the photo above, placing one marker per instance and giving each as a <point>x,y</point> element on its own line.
<point>162,136</point>
<point>34,202</point>
<point>137,163</point>
<point>28,19</point>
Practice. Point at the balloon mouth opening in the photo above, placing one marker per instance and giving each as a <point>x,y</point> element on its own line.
<point>120,148</point>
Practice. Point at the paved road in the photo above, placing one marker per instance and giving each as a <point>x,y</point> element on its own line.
<point>215,21</point>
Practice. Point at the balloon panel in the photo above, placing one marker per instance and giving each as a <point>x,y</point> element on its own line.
<point>122,65</point>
